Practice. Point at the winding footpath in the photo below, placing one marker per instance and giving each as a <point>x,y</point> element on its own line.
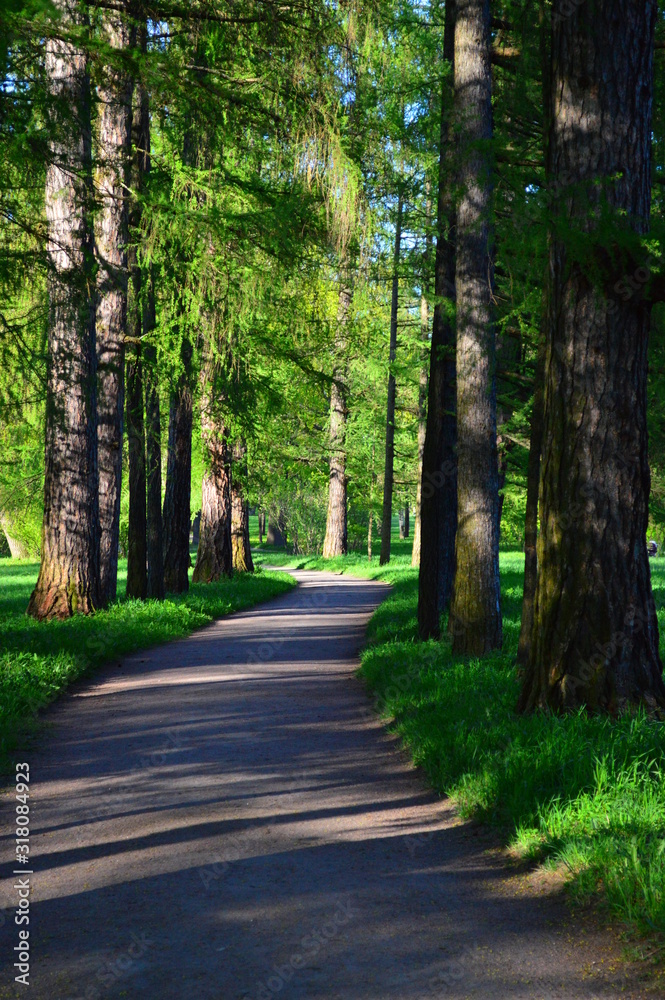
<point>223,818</point>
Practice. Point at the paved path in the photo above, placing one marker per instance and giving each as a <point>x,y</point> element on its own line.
<point>221,818</point>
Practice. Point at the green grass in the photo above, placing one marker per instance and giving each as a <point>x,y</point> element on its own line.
<point>38,660</point>
<point>585,795</point>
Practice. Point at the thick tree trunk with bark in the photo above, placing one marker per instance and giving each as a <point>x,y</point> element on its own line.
<point>69,572</point>
<point>475,614</point>
<point>177,496</point>
<point>335,541</point>
<point>214,557</point>
<point>153,432</point>
<point>386,518</point>
<point>242,556</point>
<point>438,500</point>
<point>595,632</point>
<point>114,151</point>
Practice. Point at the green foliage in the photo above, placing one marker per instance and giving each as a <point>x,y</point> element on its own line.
<point>38,660</point>
<point>584,794</point>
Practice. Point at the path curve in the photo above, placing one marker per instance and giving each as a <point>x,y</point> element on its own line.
<point>223,818</point>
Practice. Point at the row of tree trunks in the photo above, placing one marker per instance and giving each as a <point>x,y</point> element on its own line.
<point>475,613</point>
<point>386,519</point>
<point>114,155</point>
<point>69,571</point>
<point>145,563</point>
<point>336,541</point>
<point>177,495</point>
<point>594,639</point>
<point>242,556</point>
<point>422,428</point>
<point>438,505</point>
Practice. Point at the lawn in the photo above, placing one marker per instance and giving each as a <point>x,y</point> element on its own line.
<point>580,794</point>
<point>38,660</point>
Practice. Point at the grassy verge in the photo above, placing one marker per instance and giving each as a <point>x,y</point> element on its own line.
<point>583,795</point>
<point>38,660</point>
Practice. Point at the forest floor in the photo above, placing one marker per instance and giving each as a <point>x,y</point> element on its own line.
<point>38,660</point>
<point>226,816</point>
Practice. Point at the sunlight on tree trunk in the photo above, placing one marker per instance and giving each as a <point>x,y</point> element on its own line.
<point>69,571</point>
<point>114,151</point>
<point>335,541</point>
<point>475,613</point>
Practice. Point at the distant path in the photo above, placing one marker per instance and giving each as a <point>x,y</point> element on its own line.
<point>221,818</point>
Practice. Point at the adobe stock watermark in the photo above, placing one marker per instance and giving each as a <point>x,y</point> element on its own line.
<point>309,947</point>
<point>118,966</point>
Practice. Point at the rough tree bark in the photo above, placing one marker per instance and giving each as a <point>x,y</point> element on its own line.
<point>438,500</point>
<point>177,496</point>
<point>114,152</point>
<point>475,613</point>
<point>242,556</point>
<point>386,517</point>
<point>69,571</point>
<point>595,633</point>
<point>214,557</point>
<point>335,541</point>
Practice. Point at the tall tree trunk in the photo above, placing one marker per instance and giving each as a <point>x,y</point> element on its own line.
<point>137,581</point>
<point>177,496</point>
<point>438,501</point>
<point>475,615</point>
<point>422,428</point>
<point>276,531</point>
<point>595,632</point>
<point>386,518</point>
<point>242,556</point>
<point>137,578</point>
<point>262,525</point>
<point>155,532</point>
<point>406,521</point>
<point>114,150</point>
<point>214,558</point>
<point>17,548</point>
<point>335,542</point>
<point>69,572</point>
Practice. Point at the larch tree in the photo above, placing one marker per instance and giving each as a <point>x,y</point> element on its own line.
<point>137,575</point>
<point>335,541</point>
<point>113,154</point>
<point>68,579</point>
<point>177,494</point>
<point>438,498</point>
<point>388,473</point>
<point>594,640</point>
<point>475,613</point>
